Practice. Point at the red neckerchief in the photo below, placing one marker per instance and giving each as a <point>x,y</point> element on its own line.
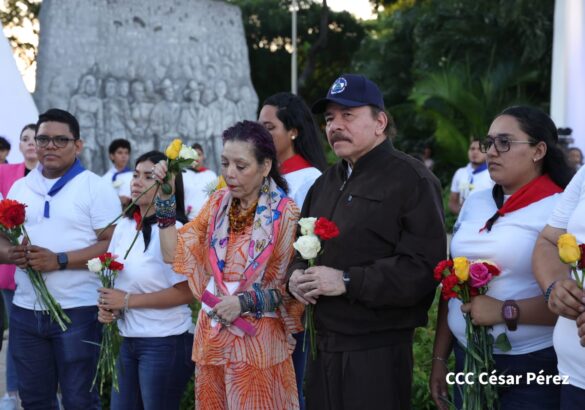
<point>294,163</point>
<point>138,218</point>
<point>533,191</point>
<point>201,169</point>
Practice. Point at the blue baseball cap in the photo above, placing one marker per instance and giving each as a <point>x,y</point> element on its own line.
<point>351,90</point>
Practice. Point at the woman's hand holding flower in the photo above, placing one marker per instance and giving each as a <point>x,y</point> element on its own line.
<point>484,310</point>
<point>228,309</point>
<point>111,299</point>
<point>106,316</point>
<point>159,172</point>
<point>566,299</point>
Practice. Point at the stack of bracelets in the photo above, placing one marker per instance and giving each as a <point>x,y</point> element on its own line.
<point>166,212</point>
<point>259,301</point>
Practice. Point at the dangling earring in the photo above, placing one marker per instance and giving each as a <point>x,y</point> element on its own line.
<point>265,186</point>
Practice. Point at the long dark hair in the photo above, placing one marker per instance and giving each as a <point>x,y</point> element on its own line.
<point>539,127</point>
<point>293,112</point>
<point>261,140</point>
<point>155,157</point>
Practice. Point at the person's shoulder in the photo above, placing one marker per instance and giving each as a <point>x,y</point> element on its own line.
<point>406,166</point>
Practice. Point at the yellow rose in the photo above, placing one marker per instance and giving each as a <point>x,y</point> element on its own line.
<point>461,267</point>
<point>569,251</point>
<point>173,150</point>
<point>220,183</point>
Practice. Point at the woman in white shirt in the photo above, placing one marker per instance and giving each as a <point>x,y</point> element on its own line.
<point>561,292</point>
<point>502,225</point>
<point>301,160</point>
<point>154,364</point>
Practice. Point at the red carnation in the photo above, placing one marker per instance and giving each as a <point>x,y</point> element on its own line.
<point>326,229</point>
<point>116,266</point>
<point>441,267</point>
<point>581,262</point>
<point>105,256</point>
<point>493,269</point>
<point>11,213</point>
<point>449,284</point>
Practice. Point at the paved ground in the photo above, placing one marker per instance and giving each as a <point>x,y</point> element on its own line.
<point>3,365</point>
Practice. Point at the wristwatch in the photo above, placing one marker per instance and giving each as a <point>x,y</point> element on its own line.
<point>62,260</point>
<point>346,279</point>
<point>511,313</point>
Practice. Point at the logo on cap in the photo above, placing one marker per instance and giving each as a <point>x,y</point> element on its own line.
<point>339,85</point>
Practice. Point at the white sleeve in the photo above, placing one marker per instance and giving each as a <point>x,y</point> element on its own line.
<point>105,205</point>
<point>568,202</point>
<point>455,183</point>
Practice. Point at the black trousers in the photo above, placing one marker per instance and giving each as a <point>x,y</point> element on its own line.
<point>371,379</point>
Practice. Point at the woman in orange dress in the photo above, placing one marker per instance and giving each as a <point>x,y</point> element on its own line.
<point>235,254</point>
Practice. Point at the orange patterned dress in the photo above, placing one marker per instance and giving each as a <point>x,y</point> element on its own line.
<point>242,372</point>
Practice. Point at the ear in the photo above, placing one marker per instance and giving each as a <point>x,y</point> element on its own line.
<point>381,123</point>
<point>267,167</point>
<point>540,151</point>
<point>78,146</point>
<point>293,133</point>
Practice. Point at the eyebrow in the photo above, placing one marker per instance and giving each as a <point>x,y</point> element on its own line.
<point>502,134</point>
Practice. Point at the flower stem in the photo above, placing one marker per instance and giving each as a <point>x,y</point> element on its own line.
<point>130,205</point>
<point>138,228</point>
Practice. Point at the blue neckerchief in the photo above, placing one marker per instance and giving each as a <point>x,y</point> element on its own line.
<point>477,170</point>
<point>71,173</point>
<point>126,169</point>
<point>480,168</point>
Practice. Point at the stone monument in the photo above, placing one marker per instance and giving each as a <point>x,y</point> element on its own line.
<point>145,70</point>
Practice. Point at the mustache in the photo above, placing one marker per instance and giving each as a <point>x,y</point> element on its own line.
<point>338,136</point>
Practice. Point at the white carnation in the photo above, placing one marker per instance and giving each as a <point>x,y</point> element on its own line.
<point>117,183</point>
<point>94,265</point>
<point>308,246</point>
<point>188,153</point>
<point>307,226</point>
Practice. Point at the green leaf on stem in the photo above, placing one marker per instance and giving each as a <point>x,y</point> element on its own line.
<point>503,343</point>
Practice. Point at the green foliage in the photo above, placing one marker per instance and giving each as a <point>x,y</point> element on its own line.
<point>423,356</point>
<point>447,67</point>
<point>268,26</point>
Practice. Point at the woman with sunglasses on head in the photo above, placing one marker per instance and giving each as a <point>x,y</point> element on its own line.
<point>154,363</point>
<point>301,160</point>
<point>501,225</point>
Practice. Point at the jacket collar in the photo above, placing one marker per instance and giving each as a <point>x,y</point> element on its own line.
<point>371,160</point>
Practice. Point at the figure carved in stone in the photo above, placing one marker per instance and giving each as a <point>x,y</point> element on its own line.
<point>224,114</point>
<point>205,127</point>
<point>189,118</point>
<point>140,110</point>
<point>165,116</point>
<point>88,109</point>
<point>247,104</point>
<point>115,112</point>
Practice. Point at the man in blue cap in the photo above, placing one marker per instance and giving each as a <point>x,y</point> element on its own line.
<point>373,284</point>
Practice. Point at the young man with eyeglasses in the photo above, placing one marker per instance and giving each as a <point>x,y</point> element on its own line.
<point>67,206</point>
<point>471,178</point>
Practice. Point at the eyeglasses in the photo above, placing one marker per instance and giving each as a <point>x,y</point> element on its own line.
<point>502,144</point>
<point>60,141</point>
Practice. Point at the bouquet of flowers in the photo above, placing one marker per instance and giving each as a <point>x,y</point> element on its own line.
<point>462,279</point>
<point>573,255</point>
<point>179,157</point>
<point>313,231</point>
<point>107,269</point>
<point>12,216</point>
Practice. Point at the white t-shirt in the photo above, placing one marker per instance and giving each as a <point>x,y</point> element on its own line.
<point>145,272</point>
<point>299,183</point>
<point>509,245</point>
<point>465,182</point>
<point>84,205</point>
<point>196,186</point>
<point>122,183</point>
<point>570,215</point>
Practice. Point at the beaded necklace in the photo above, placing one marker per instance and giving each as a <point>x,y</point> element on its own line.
<point>241,218</point>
